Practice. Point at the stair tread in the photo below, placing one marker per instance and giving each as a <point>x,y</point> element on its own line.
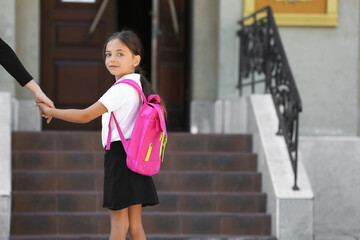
<point>145,213</point>
<point>15,192</point>
<point>53,140</point>
<point>208,187</point>
<point>148,236</point>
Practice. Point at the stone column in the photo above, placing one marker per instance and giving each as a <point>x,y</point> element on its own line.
<point>5,166</point>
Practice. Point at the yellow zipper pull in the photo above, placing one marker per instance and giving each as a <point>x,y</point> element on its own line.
<point>161,135</point>
<point>161,114</point>
<point>163,150</point>
<point>162,140</point>
<point>149,152</point>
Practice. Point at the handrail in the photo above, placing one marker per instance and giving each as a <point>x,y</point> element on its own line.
<point>263,60</point>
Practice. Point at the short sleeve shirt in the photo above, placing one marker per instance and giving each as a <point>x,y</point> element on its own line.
<point>125,102</point>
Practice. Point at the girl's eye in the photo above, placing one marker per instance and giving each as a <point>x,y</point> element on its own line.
<point>107,54</point>
<point>119,54</point>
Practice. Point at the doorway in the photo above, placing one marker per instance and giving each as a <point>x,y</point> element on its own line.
<point>73,74</point>
<point>136,15</point>
<point>163,26</point>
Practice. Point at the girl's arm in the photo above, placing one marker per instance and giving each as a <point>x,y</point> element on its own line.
<point>74,115</point>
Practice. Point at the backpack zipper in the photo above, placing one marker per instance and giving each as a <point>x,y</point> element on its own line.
<point>149,152</point>
<point>163,140</point>
<point>163,150</point>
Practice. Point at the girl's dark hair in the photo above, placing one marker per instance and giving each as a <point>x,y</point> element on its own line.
<point>132,41</point>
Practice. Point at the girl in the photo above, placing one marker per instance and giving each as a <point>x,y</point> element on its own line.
<point>125,192</point>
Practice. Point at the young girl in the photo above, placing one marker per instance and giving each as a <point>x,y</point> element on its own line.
<point>125,192</point>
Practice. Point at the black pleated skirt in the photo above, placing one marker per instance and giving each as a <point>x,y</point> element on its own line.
<point>123,187</point>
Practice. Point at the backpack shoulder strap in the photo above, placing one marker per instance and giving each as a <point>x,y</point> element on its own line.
<point>134,85</point>
<point>123,140</point>
<point>112,116</point>
<point>154,96</point>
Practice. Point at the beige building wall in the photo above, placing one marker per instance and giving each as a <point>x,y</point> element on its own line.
<point>28,40</point>
<point>214,49</point>
<point>7,33</point>
<point>324,61</point>
<point>358,133</point>
<point>20,28</point>
<point>204,50</point>
<point>26,116</point>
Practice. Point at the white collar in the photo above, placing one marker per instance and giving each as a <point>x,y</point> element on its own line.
<point>132,76</point>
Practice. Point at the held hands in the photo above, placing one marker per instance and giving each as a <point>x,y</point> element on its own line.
<point>40,98</point>
<point>44,110</point>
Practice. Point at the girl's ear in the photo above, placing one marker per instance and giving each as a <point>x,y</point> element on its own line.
<point>137,60</point>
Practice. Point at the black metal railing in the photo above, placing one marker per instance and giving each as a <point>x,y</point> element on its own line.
<point>263,60</point>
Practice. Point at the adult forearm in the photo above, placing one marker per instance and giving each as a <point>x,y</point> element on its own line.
<point>33,87</point>
<point>12,64</point>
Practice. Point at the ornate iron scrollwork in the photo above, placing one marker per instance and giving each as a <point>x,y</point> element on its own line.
<point>263,60</point>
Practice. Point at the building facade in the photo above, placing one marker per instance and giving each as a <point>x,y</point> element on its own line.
<point>325,62</point>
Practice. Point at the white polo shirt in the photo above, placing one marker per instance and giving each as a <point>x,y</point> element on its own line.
<point>125,102</point>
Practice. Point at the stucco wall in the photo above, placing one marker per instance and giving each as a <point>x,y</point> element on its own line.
<point>28,40</point>
<point>230,11</point>
<point>333,166</point>
<point>359,81</point>
<point>214,49</point>
<point>20,28</point>
<point>7,33</point>
<point>28,50</point>
<point>204,49</point>
<point>325,62</point>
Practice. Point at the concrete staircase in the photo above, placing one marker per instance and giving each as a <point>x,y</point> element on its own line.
<point>208,189</point>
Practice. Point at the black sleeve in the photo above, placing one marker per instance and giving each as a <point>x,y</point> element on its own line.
<point>12,64</point>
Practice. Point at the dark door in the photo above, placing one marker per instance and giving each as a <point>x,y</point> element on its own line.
<point>172,63</point>
<point>73,73</point>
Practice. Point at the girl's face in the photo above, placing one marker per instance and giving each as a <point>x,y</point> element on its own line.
<point>119,60</point>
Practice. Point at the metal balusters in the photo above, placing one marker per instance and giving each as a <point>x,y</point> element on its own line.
<point>263,60</point>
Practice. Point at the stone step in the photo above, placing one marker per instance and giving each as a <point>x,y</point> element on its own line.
<point>169,202</point>
<point>208,188</point>
<point>91,141</point>
<point>148,237</point>
<point>173,161</point>
<point>209,237</point>
<point>205,161</point>
<point>57,141</point>
<point>24,180</point>
<point>35,223</point>
<point>209,142</point>
<point>208,181</point>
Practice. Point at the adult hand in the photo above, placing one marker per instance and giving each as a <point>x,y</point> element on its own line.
<point>43,108</point>
<point>40,97</point>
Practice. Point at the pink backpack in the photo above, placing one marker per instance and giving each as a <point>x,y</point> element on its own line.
<point>145,149</point>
